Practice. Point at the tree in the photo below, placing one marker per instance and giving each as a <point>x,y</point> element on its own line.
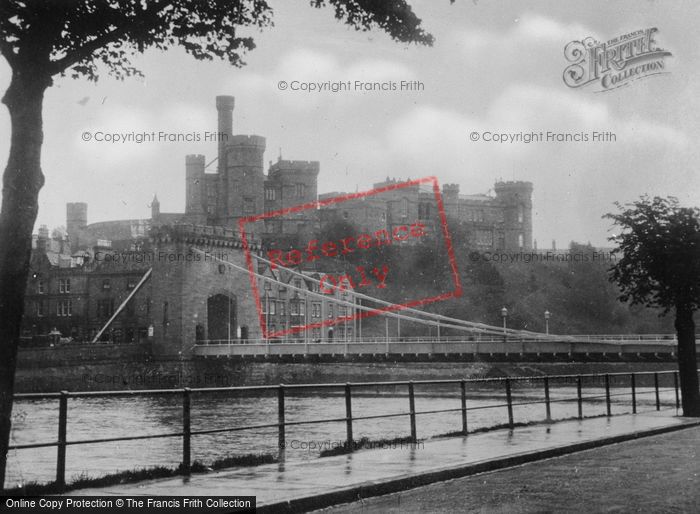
<point>660,267</point>
<point>41,40</point>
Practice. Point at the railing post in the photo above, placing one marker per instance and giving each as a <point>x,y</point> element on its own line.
<point>634,393</point>
<point>509,401</point>
<point>675,385</point>
<point>412,411</point>
<point>579,397</point>
<point>656,391</point>
<point>281,443</point>
<point>547,403</point>
<point>348,416</point>
<point>463,387</point>
<point>607,395</point>
<point>62,426</point>
<point>186,431</point>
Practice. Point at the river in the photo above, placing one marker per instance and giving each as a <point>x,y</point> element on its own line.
<point>95,417</point>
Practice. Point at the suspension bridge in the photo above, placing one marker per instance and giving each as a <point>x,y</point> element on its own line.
<point>450,338</point>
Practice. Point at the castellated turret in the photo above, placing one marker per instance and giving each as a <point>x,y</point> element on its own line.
<point>450,193</point>
<point>516,201</point>
<point>195,207</point>
<point>243,179</point>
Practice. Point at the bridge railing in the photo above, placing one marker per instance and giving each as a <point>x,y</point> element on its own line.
<point>477,338</point>
<point>627,385</point>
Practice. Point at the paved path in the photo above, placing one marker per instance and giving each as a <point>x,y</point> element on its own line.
<point>303,485</point>
<point>657,474</point>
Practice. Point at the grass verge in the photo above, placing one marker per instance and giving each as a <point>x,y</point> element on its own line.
<point>136,475</point>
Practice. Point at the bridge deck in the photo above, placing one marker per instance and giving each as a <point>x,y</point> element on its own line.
<point>426,346</point>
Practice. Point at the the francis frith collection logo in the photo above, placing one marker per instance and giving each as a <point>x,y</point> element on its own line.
<point>614,63</point>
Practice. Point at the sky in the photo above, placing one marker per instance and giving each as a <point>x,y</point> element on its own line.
<point>496,66</point>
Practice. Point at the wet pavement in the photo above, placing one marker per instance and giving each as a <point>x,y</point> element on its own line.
<point>400,464</point>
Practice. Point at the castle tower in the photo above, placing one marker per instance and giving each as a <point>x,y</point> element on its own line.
<point>450,193</point>
<point>243,179</point>
<point>288,184</point>
<point>76,222</point>
<point>195,189</point>
<point>516,200</point>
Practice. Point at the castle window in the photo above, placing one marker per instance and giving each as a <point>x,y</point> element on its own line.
<point>281,309</point>
<point>270,194</point>
<point>106,284</point>
<point>248,206</point>
<point>423,210</point>
<point>521,241</point>
<point>130,284</point>
<point>64,285</point>
<point>40,311</point>
<point>484,238</point>
<point>302,308</point>
<point>105,308</point>
<point>300,190</point>
<point>316,310</point>
<point>330,310</point>
<point>273,307</point>
<point>64,308</point>
<point>520,213</point>
<point>41,287</point>
<point>404,207</point>
<point>294,308</point>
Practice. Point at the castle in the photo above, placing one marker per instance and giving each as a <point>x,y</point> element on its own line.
<point>111,274</point>
<point>240,188</point>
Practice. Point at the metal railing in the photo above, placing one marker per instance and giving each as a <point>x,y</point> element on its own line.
<point>347,392</point>
<point>476,338</point>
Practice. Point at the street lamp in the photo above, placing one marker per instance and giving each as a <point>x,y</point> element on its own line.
<point>504,314</point>
<point>547,315</point>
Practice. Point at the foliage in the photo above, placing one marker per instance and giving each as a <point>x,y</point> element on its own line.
<point>77,37</point>
<point>660,253</point>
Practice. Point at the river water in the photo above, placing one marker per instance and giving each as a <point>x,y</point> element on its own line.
<point>93,417</point>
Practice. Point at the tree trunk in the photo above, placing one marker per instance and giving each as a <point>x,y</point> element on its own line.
<point>22,181</point>
<point>687,361</point>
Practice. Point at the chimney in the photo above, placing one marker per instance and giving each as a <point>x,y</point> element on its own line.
<point>42,241</point>
<point>224,107</point>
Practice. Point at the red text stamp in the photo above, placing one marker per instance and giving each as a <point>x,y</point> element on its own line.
<point>360,277</point>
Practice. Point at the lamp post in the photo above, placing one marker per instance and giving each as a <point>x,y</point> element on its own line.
<point>504,314</point>
<point>547,315</point>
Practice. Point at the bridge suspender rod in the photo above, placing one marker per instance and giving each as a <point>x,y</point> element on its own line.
<point>416,311</point>
<point>484,329</point>
<point>494,331</point>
